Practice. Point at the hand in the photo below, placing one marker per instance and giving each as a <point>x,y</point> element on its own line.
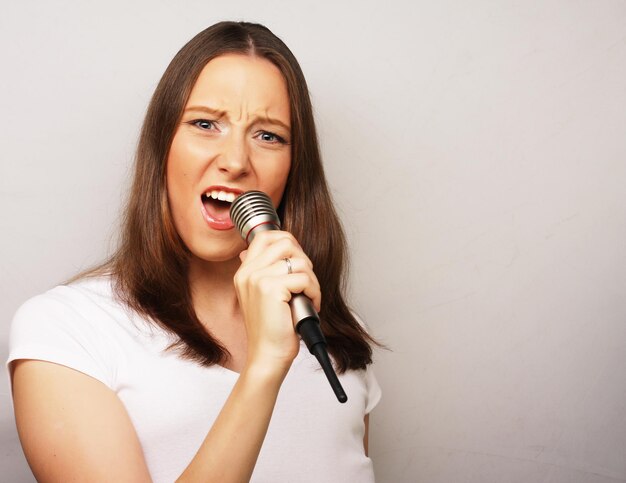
<point>264,288</point>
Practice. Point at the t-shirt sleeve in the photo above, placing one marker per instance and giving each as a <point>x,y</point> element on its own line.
<point>374,392</point>
<point>48,328</point>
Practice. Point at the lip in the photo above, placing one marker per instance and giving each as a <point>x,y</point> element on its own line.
<point>222,223</point>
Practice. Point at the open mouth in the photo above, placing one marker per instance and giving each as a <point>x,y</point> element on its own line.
<point>216,203</point>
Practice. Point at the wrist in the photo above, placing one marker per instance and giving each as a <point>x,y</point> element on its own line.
<point>265,372</point>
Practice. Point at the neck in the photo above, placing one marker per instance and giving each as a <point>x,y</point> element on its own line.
<point>212,288</point>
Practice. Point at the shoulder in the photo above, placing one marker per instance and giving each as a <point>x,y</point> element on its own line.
<point>72,305</point>
<point>76,325</point>
<point>68,294</point>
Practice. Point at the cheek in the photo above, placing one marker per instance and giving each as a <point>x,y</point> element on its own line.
<point>177,185</point>
<point>178,169</point>
<point>189,158</point>
<point>276,179</point>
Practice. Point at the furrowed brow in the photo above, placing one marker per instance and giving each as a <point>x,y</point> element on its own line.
<point>219,114</point>
<point>271,120</point>
<point>205,110</point>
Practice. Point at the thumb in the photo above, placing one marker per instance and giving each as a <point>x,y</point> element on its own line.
<point>243,255</point>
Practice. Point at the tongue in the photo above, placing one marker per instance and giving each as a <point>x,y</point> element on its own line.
<point>218,210</point>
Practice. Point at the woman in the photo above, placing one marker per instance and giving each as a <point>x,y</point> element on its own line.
<point>177,358</point>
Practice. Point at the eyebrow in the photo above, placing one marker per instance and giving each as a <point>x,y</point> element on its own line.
<point>219,114</point>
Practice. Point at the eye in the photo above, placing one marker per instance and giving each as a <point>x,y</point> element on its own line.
<point>204,124</point>
<point>270,137</point>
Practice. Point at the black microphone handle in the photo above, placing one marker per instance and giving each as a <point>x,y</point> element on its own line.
<point>311,333</point>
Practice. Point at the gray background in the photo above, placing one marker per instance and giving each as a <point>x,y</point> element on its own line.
<point>476,152</point>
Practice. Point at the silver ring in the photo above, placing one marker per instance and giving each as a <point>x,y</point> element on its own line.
<point>289,268</point>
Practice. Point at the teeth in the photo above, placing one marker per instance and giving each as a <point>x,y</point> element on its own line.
<point>221,195</point>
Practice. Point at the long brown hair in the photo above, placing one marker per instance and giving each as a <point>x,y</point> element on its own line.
<point>150,268</point>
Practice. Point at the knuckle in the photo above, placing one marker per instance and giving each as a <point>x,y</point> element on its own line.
<point>238,279</point>
<point>285,243</point>
<point>254,278</point>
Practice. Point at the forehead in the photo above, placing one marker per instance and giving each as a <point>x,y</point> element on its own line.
<point>243,84</point>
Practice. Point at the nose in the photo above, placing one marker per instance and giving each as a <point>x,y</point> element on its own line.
<point>234,159</point>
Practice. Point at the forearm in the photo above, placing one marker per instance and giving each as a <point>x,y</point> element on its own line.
<point>230,449</point>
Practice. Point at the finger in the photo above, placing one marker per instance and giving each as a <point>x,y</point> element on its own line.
<point>265,239</point>
<point>309,284</point>
<point>288,265</point>
<point>302,283</point>
<point>276,279</point>
<point>243,255</point>
<point>265,255</point>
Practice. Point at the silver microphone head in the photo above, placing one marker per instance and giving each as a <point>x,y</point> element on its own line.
<point>253,211</point>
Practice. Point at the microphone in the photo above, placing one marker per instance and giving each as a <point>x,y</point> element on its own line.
<point>252,213</point>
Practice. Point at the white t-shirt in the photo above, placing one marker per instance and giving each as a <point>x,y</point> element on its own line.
<point>173,402</point>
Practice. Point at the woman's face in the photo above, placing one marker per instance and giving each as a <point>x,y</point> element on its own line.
<point>234,136</point>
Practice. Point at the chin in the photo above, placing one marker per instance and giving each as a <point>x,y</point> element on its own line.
<point>218,254</point>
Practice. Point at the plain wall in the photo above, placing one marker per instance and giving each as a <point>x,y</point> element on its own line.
<point>477,154</point>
